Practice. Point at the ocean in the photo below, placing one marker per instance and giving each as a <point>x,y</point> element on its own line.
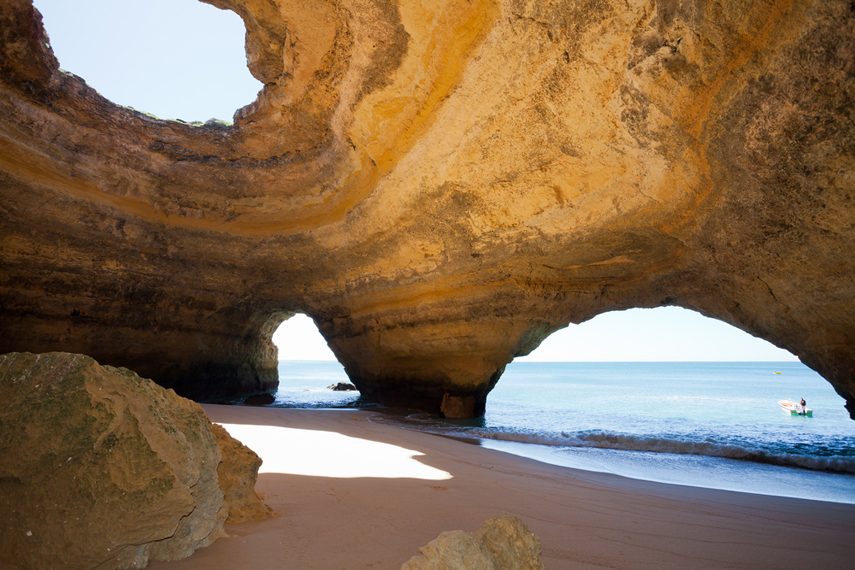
<point>705,424</point>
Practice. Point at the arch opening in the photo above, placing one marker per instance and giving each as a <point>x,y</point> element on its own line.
<point>174,59</point>
<point>655,335</point>
<point>310,376</point>
<point>672,396</point>
<point>297,338</point>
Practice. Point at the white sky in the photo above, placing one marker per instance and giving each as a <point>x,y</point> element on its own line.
<point>184,59</point>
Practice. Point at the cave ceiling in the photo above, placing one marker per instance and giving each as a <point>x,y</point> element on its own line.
<point>439,185</point>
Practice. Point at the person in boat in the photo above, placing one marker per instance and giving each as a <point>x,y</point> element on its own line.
<point>803,406</point>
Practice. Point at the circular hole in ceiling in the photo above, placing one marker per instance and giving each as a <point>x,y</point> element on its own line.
<point>174,59</point>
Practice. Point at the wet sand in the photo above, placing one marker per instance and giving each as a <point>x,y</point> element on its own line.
<point>353,494</point>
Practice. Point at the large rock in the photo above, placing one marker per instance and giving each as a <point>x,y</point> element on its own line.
<point>101,468</point>
<point>440,186</point>
<point>503,543</point>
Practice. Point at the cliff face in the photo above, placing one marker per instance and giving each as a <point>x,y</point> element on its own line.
<point>440,185</point>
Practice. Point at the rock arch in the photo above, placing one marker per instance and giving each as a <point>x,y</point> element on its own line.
<point>440,188</point>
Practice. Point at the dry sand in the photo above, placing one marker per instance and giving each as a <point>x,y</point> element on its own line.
<point>355,494</point>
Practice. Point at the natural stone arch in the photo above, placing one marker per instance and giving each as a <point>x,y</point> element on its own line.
<point>440,190</point>
<point>448,365</point>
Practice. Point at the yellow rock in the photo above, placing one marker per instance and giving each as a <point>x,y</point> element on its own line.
<point>440,185</point>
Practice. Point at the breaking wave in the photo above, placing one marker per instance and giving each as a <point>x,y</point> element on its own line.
<point>819,460</point>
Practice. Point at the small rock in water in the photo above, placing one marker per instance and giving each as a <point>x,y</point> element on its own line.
<point>342,387</point>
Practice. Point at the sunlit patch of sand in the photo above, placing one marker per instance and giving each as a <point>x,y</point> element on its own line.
<point>330,454</point>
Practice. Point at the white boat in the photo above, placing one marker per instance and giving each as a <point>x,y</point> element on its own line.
<point>795,409</point>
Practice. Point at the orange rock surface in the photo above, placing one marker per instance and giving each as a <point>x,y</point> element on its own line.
<point>440,185</point>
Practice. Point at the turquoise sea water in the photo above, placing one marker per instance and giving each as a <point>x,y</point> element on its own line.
<point>708,424</point>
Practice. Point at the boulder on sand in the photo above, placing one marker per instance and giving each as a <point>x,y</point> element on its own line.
<point>503,543</point>
<point>100,467</point>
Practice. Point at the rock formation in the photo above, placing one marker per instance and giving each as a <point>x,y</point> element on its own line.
<point>439,185</point>
<point>102,468</point>
<point>503,543</point>
<point>236,475</point>
<point>264,399</point>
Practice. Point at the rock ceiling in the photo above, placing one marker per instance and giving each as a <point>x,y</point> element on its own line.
<point>440,184</point>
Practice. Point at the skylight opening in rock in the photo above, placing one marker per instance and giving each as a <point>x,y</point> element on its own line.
<point>664,334</point>
<point>174,59</point>
<point>299,339</point>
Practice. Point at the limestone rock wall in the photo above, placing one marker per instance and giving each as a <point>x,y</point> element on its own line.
<point>440,185</point>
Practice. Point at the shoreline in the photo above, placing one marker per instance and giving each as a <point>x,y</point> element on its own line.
<point>732,475</point>
<point>377,503</point>
<point>735,474</point>
<point>671,475</point>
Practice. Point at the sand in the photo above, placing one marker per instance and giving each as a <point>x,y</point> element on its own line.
<point>355,494</point>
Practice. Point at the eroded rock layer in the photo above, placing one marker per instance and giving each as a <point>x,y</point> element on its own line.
<point>440,185</point>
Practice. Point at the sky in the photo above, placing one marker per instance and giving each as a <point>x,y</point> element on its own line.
<point>175,59</point>
<point>181,59</point>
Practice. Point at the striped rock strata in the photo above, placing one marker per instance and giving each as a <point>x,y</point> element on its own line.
<point>440,185</point>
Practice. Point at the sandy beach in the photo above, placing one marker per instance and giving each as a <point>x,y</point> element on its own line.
<point>356,494</point>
